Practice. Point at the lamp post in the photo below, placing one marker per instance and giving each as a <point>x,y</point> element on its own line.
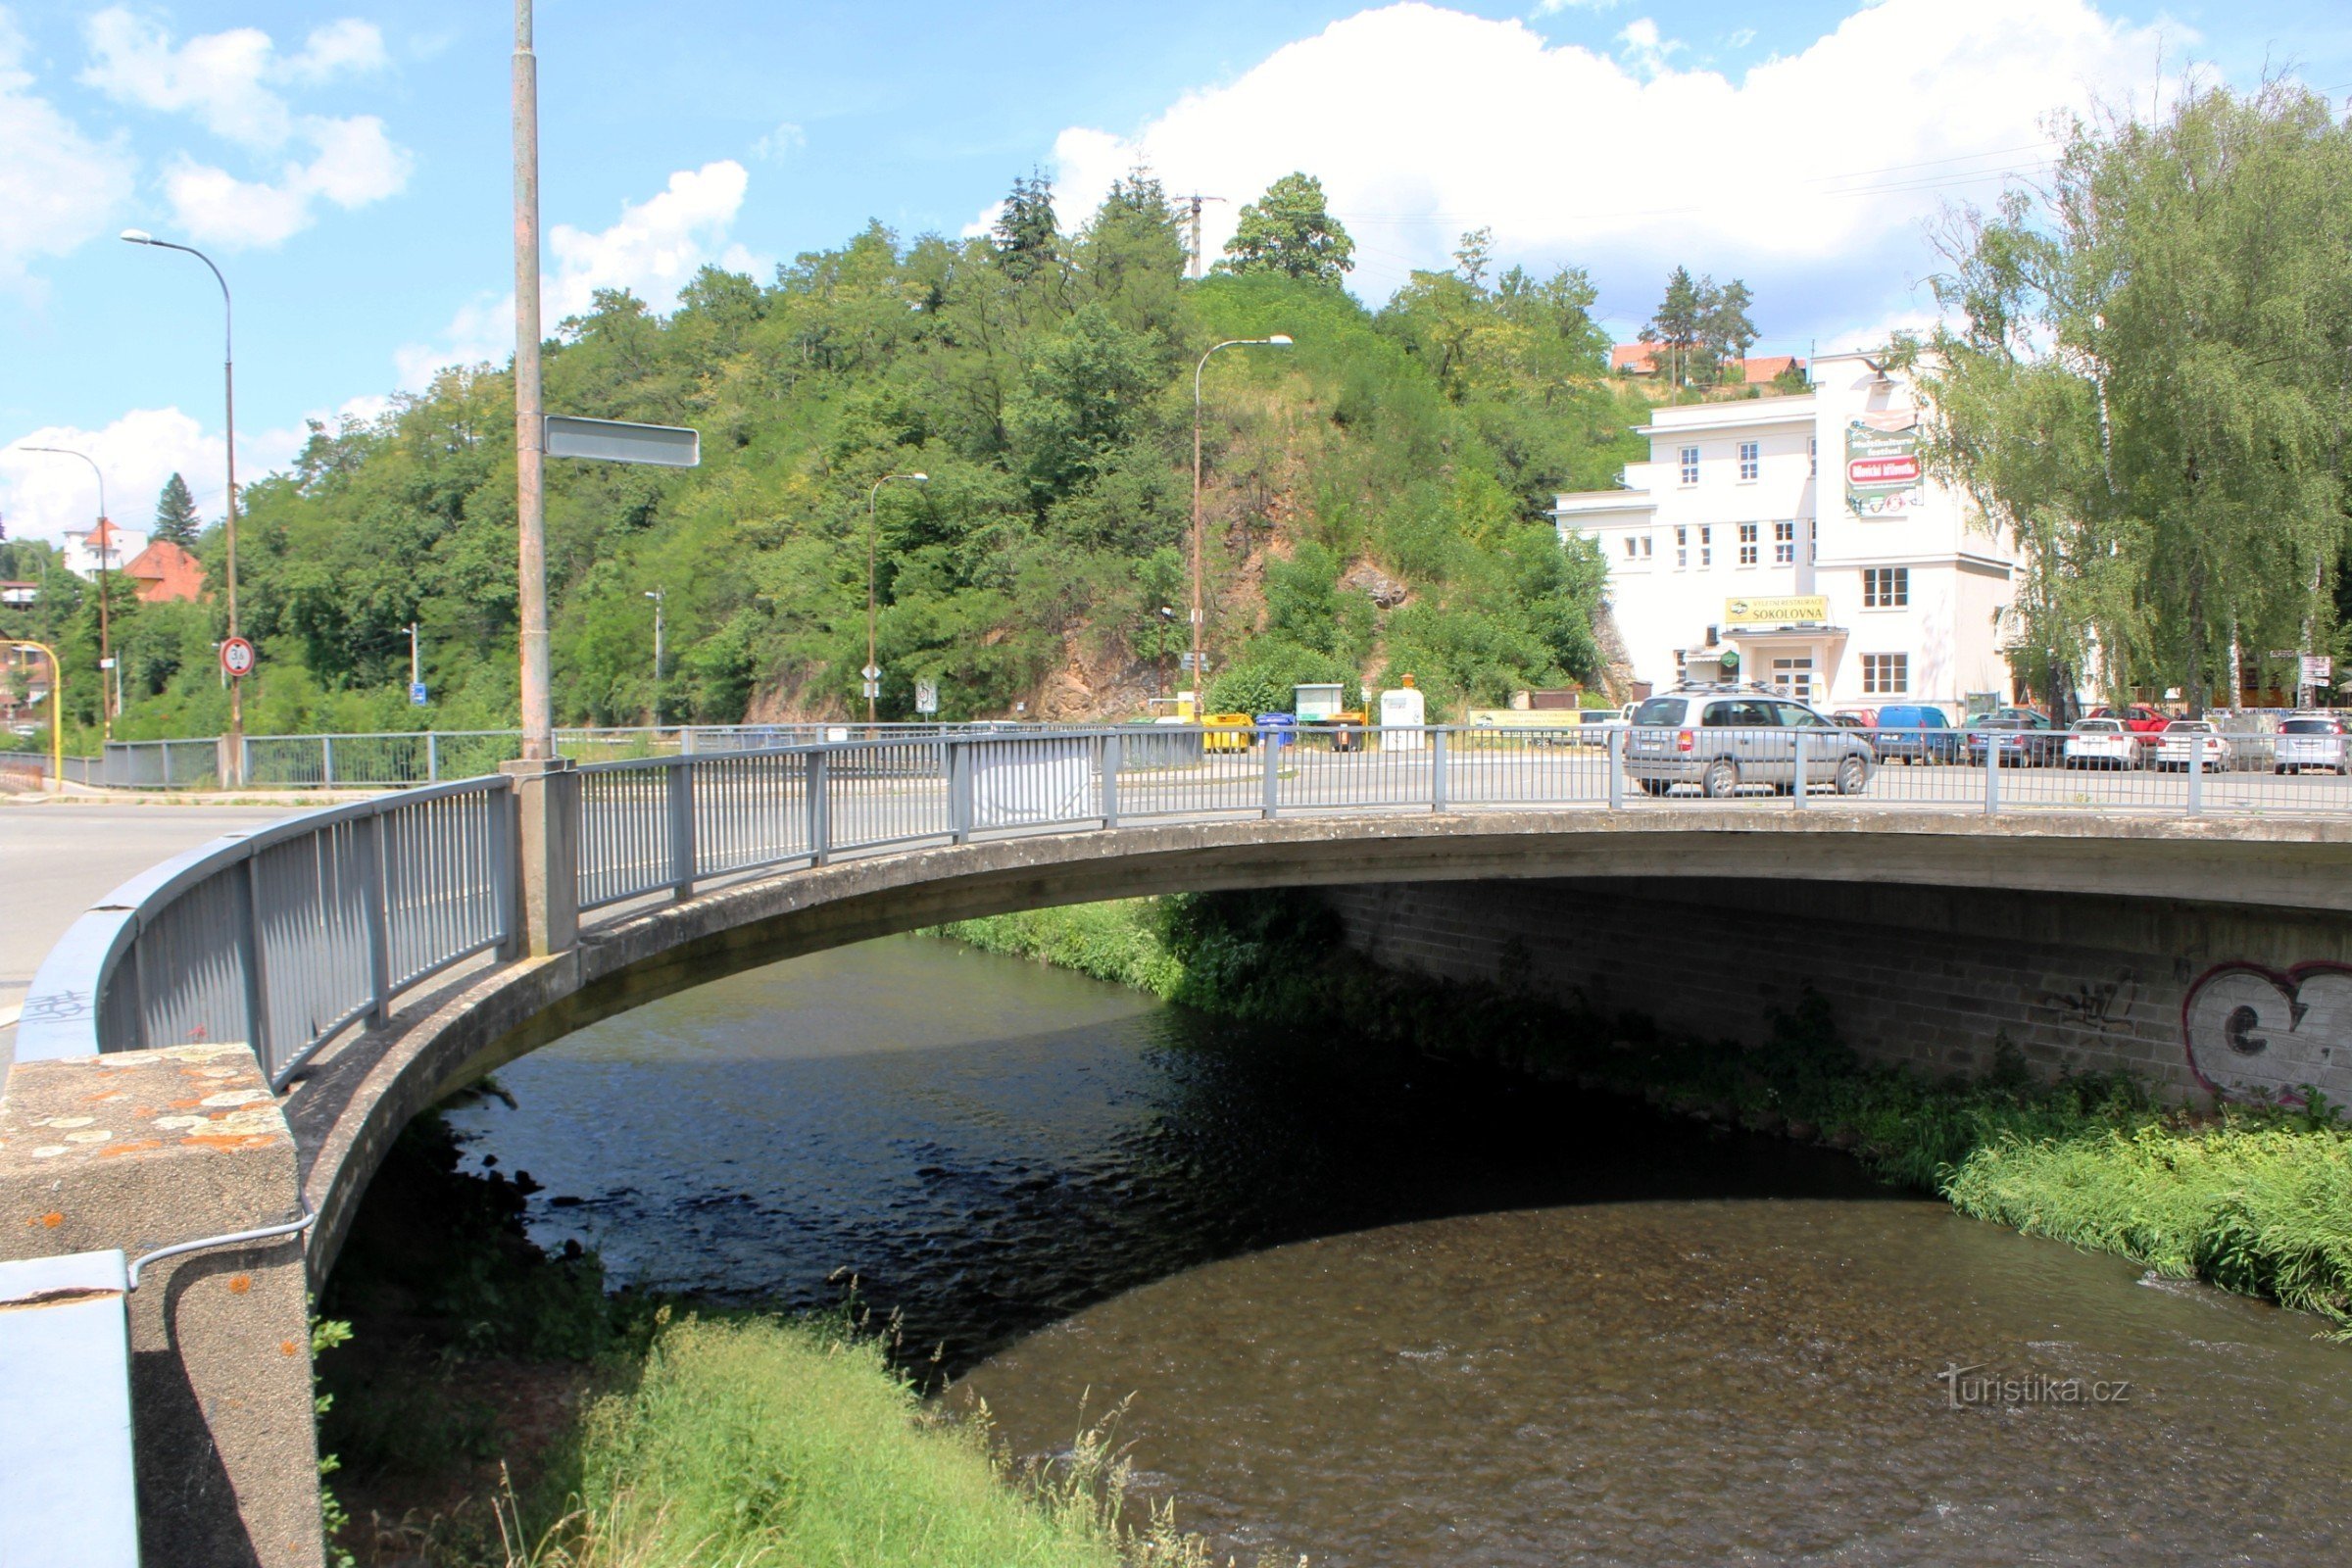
<point>57,712</point>
<point>654,707</point>
<point>1279,340</point>
<point>105,535</point>
<point>873,671</point>
<point>229,384</point>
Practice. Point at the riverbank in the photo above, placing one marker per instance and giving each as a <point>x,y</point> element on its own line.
<point>494,1407</point>
<point>2250,1200</point>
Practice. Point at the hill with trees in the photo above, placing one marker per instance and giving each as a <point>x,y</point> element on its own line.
<point>1375,495</point>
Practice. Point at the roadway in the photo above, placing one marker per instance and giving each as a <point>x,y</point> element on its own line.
<point>58,859</point>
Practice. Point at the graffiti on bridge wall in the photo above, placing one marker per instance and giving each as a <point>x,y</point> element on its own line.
<point>2262,1034</point>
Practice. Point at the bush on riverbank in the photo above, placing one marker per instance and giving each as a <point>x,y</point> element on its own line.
<point>2252,1200</point>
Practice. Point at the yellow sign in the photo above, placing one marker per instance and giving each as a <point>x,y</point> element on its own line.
<point>1799,609</point>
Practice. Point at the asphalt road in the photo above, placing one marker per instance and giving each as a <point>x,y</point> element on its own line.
<point>56,860</point>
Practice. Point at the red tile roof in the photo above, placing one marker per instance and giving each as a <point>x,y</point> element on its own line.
<point>167,574</point>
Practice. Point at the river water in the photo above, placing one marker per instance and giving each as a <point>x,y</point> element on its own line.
<point>1382,1313</point>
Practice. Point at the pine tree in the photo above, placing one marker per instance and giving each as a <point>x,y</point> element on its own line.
<point>175,519</point>
<point>1724,329</point>
<point>1676,324</point>
<point>1027,236</point>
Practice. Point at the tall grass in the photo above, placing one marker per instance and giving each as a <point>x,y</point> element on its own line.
<point>789,1442</point>
<point>2253,1200</point>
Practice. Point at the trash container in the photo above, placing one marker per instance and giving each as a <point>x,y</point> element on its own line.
<point>1277,729</point>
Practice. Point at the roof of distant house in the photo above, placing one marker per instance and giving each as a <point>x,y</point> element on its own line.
<point>167,574</point>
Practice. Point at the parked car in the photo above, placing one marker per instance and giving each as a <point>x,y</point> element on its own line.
<point>1593,725</point>
<point>2101,743</point>
<point>1916,732</point>
<point>2308,740</point>
<point>2173,747</point>
<point>2138,718</point>
<point>1726,739</point>
<point>1856,718</point>
<point>2029,740</point>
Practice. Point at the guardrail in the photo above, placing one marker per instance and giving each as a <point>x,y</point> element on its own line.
<point>283,937</point>
<point>287,936</point>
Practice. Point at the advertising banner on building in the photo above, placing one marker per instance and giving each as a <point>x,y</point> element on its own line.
<point>1882,465</point>
<point>1794,610</point>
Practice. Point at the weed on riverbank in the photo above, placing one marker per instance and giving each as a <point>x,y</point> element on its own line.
<point>495,1408</point>
<point>2252,1200</point>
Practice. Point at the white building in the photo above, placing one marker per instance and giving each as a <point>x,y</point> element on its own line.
<point>1796,535</point>
<point>85,547</point>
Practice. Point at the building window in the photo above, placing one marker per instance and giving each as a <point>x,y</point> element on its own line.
<point>1747,543</point>
<point>1637,548</point>
<point>1750,460</point>
<point>1812,539</point>
<point>1812,456</point>
<point>1784,543</point>
<point>1681,547</point>
<point>1885,587</point>
<point>1706,545</point>
<point>1689,465</point>
<point>1886,675</point>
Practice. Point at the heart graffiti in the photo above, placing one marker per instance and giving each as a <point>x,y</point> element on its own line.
<point>2255,1033</point>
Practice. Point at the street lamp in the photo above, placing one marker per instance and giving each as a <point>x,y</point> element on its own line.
<point>106,646</point>
<point>228,382</point>
<point>56,712</point>
<point>873,671</point>
<point>1279,340</point>
<point>654,707</point>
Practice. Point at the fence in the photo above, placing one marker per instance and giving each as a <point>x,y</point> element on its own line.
<point>401,759</point>
<point>283,937</point>
<point>288,935</point>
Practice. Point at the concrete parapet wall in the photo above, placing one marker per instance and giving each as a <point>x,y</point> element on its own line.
<point>146,1149</point>
<point>2190,995</point>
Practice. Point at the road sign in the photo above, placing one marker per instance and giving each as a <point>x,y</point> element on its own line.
<point>926,696</point>
<point>2319,670</point>
<point>871,673</point>
<point>873,687</point>
<point>236,657</point>
<point>666,446</point>
<point>1185,660</point>
<point>417,694</point>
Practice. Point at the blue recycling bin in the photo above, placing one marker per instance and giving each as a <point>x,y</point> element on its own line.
<point>1277,729</point>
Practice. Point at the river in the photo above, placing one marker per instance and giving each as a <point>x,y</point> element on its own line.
<point>1383,1312</point>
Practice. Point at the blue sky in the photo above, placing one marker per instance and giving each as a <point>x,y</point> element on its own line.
<point>346,162</point>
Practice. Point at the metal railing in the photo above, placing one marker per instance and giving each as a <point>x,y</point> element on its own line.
<point>283,937</point>
<point>287,936</point>
<point>402,758</point>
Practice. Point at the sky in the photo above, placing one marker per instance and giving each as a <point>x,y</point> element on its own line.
<point>346,164</point>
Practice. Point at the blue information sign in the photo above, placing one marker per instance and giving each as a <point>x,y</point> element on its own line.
<point>416,697</point>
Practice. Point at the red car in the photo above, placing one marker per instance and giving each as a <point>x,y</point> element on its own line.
<point>2138,718</point>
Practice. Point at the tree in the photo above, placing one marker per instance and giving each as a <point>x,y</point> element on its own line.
<point>1291,230</point>
<point>2149,386</point>
<point>175,519</point>
<point>1028,239</point>
<point>1674,325</point>
<point>1724,327</point>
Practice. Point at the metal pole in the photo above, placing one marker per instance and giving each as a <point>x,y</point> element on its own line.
<point>102,534</point>
<point>57,715</point>
<point>1200,672</point>
<point>873,682</point>
<point>530,496</point>
<point>652,707</point>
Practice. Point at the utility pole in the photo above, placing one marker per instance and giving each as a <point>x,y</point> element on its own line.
<point>415,668</point>
<point>1193,204</point>
<point>530,495</point>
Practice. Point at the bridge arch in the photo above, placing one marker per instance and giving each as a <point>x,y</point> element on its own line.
<point>346,1104</point>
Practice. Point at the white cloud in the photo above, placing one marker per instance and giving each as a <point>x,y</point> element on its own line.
<point>782,142</point>
<point>1741,39</point>
<point>1644,50</point>
<point>42,496</point>
<point>1807,173</point>
<point>228,82</point>
<point>653,251</point>
<point>57,188</point>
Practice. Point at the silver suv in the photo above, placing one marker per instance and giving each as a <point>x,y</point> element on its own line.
<point>1725,739</point>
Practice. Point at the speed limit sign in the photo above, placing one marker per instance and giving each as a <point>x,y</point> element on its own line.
<point>236,657</point>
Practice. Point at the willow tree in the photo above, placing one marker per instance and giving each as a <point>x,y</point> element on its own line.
<point>2145,378</point>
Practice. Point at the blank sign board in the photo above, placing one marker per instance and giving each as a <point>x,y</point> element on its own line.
<point>666,446</point>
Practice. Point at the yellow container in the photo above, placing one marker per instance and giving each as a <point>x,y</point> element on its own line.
<point>1230,732</point>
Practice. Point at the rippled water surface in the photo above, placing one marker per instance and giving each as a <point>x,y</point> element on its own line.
<point>1389,1313</point>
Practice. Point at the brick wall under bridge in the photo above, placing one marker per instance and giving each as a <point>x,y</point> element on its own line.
<point>2189,996</point>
